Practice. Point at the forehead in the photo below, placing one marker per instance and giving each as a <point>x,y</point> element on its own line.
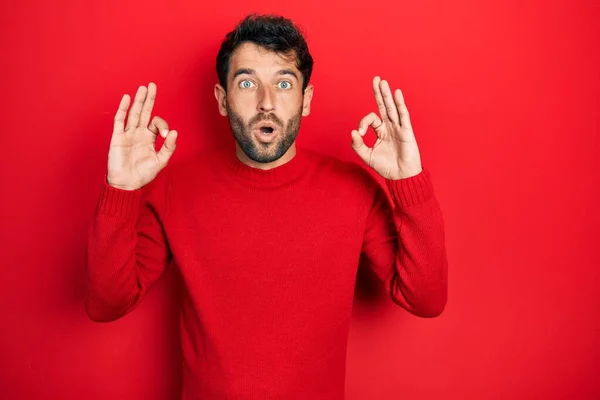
<point>252,56</point>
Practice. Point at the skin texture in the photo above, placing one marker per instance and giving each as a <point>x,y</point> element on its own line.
<point>395,154</point>
<point>132,159</point>
<point>263,86</point>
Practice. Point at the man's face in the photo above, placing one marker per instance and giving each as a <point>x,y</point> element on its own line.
<point>264,103</point>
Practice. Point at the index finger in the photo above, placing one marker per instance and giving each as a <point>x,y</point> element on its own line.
<point>159,125</point>
<point>370,119</point>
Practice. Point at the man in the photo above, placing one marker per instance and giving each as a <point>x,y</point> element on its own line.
<point>267,238</point>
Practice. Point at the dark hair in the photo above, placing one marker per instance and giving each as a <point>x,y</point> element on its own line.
<point>271,32</point>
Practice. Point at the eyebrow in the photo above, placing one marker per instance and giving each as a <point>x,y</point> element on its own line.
<point>244,71</point>
<point>249,71</point>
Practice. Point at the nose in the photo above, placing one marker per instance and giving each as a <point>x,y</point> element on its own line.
<point>266,101</point>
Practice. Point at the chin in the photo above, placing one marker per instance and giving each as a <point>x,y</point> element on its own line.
<point>264,157</point>
<point>261,152</point>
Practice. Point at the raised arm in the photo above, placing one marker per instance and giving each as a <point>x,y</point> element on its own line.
<point>127,248</point>
<point>404,243</point>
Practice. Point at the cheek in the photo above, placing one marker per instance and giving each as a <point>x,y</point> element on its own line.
<point>290,103</point>
<point>243,104</point>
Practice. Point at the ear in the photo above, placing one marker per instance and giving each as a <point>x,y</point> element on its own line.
<point>221,96</point>
<point>308,93</point>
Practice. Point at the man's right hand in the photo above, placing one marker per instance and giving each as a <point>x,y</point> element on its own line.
<point>132,157</point>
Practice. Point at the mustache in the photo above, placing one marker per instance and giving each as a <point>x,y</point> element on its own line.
<point>265,117</point>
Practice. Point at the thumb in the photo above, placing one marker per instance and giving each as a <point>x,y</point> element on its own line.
<point>167,149</point>
<point>359,146</point>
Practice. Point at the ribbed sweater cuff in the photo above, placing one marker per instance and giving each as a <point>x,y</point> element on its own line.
<point>411,191</point>
<point>119,202</point>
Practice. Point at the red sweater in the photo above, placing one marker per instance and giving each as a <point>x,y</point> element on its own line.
<point>269,261</point>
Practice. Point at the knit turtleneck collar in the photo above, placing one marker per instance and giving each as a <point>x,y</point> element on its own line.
<point>274,177</point>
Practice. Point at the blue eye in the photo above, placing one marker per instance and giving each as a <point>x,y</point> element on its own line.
<point>285,85</point>
<point>246,84</point>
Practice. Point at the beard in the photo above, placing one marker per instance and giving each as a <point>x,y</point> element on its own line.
<point>264,152</point>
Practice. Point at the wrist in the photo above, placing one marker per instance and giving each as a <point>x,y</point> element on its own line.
<point>406,173</point>
<point>118,186</point>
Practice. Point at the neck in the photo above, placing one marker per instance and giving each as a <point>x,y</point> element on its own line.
<point>288,156</point>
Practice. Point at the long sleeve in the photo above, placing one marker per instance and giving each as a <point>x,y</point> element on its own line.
<point>127,249</point>
<point>404,244</point>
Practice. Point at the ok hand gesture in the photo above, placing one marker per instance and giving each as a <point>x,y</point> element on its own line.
<point>132,159</point>
<point>395,154</point>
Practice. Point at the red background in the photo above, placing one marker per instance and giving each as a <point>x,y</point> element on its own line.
<point>504,98</point>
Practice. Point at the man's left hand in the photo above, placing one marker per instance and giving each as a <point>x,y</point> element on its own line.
<point>395,154</point>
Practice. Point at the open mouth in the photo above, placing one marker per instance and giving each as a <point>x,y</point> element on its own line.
<point>266,130</point>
